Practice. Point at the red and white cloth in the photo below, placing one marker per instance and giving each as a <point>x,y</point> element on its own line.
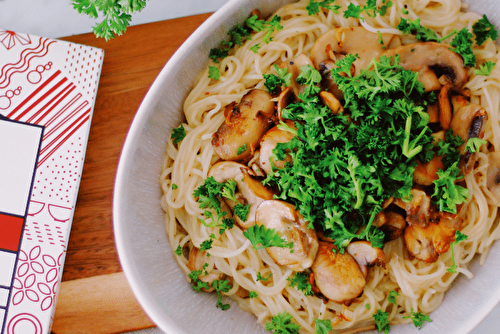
<point>47,93</point>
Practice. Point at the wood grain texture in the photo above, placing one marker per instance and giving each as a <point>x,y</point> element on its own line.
<point>94,296</point>
<point>131,63</point>
<point>113,309</point>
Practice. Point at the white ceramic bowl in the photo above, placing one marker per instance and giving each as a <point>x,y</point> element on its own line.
<point>141,241</point>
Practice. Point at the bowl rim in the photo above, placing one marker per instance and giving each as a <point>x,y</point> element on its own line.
<point>137,124</point>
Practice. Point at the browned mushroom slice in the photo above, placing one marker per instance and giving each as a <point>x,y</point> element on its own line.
<point>431,60</point>
<point>286,97</point>
<point>493,175</point>
<point>366,255</point>
<point>337,276</point>
<point>418,209</point>
<point>355,40</point>
<point>268,144</point>
<point>292,227</point>
<point>468,122</point>
<point>331,102</point>
<point>239,135</point>
<point>392,224</point>
<point>426,243</point>
<point>426,173</point>
<point>249,190</point>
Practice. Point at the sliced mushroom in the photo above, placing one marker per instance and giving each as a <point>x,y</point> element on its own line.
<point>331,102</point>
<point>337,275</point>
<point>468,122</point>
<point>445,106</point>
<point>292,227</point>
<point>431,60</point>
<point>366,255</point>
<point>418,209</point>
<point>239,135</point>
<point>286,97</point>
<point>391,223</point>
<point>268,143</point>
<point>294,67</point>
<point>426,173</point>
<point>493,175</point>
<point>197,261</point>
<point>426,243</point>
<point>249,190</point>
<point>355,40</point>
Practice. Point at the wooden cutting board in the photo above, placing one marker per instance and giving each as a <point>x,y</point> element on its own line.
<point>94,295</point>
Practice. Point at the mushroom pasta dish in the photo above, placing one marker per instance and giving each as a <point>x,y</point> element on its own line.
<point>339,166</point>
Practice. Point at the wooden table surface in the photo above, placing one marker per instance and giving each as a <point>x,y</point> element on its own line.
<point>131,63</point>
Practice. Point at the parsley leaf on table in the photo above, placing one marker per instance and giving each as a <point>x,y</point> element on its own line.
<point>483,30</point>
<point>281,323</point>
<point>116,14</point>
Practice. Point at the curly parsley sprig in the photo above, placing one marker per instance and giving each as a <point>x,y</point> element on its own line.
<point>116,14</point>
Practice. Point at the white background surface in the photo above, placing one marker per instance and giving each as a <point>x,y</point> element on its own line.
<point>57,18</point>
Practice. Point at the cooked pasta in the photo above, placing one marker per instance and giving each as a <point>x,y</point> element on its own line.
<point>420,285</point>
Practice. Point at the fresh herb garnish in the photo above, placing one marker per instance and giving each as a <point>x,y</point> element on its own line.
<point>447,193</point>
<point>323,326</point>
<point>198,284</point>
<point>264,279</point>
<point>281,323</point>
<point>178,134</point>
<point>313,6</point>
<point>370,8</point>
<point>342,171</point>
<point>263,237</point>
<point>459,236</point>
<point>213,73</point>
<point>206,244</point>
<point>391,298</point>
<point>241,149</point>
<point>462,44</point>
<point>221,286</point>
<point>116,14</point>
<point>252,294</point>
<point>300,282</point>
<point>483,30</point>
<point>269,27</point>
<point>474,144</point>
<point>418,318</point>
<point>485,69</point>
<point>178,250</point>
<point>274,81</point>
<point>174,186</point>
<point>382,321</point>
<point>414,27</point>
